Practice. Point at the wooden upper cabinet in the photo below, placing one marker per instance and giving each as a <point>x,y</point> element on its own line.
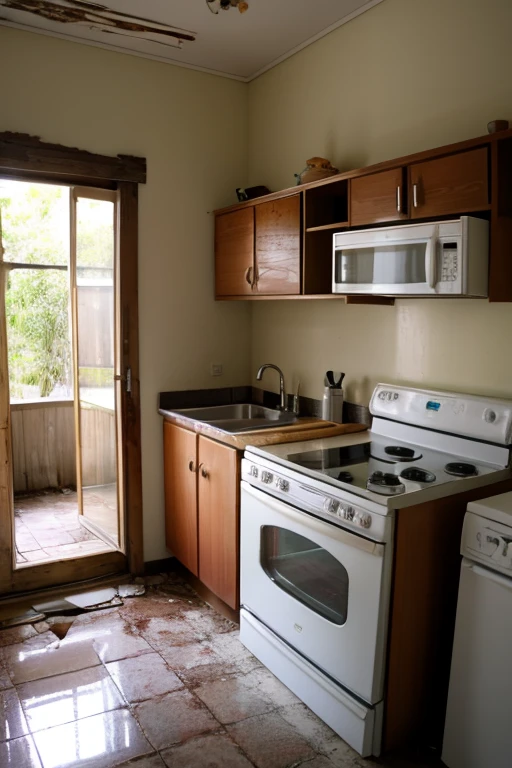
<point>278,246</point>
<point>453,184</point>
<point>219,479</point>
<point>378,197</point>
<point>234,252</point>
<point>180,478</point>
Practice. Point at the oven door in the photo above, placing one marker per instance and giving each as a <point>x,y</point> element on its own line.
<point>321,588</point>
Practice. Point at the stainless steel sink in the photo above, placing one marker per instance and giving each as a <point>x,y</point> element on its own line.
<point>241,417</point>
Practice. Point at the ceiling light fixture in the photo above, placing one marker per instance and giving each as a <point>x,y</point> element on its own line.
<point>216,5</point>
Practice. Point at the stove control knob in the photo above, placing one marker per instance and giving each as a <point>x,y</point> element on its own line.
<point>266,477</point>
<point>363,519</point>
<point>282,485</point>
<point>348,512</point>
<point>253,472</point>
<point>490,416</point>
<point>331,505</point>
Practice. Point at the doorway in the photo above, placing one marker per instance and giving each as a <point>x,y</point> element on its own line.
<point>60,334</point>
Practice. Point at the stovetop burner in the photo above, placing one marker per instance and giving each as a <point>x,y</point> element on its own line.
<point>461,469</point>
<point>385,483</point>
<point>402,453</point>
<point>418,475</point>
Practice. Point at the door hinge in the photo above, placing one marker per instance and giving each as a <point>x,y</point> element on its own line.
<point>127,378</point>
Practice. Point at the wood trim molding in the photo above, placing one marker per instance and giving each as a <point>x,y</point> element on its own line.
<point>129,317</point>
<point>22,152</point>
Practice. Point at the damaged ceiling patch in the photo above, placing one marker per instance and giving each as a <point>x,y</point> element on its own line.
<point>103,19</point>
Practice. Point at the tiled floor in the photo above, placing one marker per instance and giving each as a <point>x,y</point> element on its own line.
<point>161,681</point>
<point>48,527</point>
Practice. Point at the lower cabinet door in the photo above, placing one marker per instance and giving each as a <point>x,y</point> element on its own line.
<point>180,477</point>
<point>218,503</point>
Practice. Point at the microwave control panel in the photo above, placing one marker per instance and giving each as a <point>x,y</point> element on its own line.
<point>449,262</point>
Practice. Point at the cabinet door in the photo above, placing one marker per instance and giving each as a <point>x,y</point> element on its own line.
<point>278,241</point>
<point>218,484</point>
<point>180,482</point>
<point>378,197</point>
<point>234,252</point>
<point>450,185</point>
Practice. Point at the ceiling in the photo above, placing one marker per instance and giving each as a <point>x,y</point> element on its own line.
<point>236,45</point>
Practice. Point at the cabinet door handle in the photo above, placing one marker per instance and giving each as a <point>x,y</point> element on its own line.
<point>192,467</point>
<point>399,199</point>
<point>204,471</point>
<point>248,276</point>
<point>415,195</point>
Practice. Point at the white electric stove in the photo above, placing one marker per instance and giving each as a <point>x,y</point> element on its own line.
<point>317,541</point>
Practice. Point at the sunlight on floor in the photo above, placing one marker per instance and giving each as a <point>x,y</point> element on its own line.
<point>48,528</point>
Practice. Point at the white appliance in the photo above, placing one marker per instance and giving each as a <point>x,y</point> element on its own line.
<point>444,258</point>
<point>317,523</point>
<point>478,732</point>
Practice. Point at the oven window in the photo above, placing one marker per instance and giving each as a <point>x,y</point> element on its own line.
<point>306,571</point>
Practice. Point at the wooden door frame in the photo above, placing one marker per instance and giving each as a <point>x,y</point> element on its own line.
<point>27,158</point>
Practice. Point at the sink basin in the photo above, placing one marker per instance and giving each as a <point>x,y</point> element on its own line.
<point>241,417</point>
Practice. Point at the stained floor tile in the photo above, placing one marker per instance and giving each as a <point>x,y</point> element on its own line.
<point>314,730</point>
<point>163,632</point>
<point>15,635</point>
<point>270,742</point>
<point>174,718</point>
<point>230,649</point>
<point>64,698</point>
<point>26,665</point>
<point>148,761</point>
<point>197,663</point>
<point>233,699</point>
<point>12,720</point>
<point>143,677</point>
<point>212,751</point>
<point>120,644</point>
<point>19,753</point>
<point>268,685</point>
<point>101,741</point>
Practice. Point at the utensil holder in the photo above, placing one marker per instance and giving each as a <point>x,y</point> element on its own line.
<point>332,405</point>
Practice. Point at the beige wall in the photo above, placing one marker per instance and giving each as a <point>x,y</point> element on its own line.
<point>191,128</point>
<point>405,76</point>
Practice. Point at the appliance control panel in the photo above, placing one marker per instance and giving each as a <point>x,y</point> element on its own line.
<point>488,542</point>
<point>315,498</point>
<point>449,262</point>
<point>480,418</point>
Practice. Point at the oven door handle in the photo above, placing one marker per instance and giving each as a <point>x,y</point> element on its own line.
<point>314,524</point>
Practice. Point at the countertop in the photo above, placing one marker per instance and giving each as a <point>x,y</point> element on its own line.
<point>306,428</point>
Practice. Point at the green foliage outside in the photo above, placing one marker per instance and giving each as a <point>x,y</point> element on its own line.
<point>35,231</point>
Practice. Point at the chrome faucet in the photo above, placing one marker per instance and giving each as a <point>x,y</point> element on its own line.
<point>282,395</point>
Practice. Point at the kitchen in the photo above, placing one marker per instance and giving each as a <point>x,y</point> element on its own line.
<point>375,89</point>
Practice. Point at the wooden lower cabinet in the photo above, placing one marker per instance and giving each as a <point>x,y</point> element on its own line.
<point>180,484</point>
<point>219,482</point>
<point>202,480</point>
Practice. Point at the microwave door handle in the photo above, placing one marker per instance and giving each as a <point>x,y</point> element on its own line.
<point>430,262</point>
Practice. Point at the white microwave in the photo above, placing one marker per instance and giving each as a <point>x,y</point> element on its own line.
<point>442,258</point>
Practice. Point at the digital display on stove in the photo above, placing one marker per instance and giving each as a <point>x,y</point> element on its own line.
<point>432,405</point>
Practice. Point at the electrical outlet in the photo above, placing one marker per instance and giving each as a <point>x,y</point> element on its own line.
<point>216,369</point>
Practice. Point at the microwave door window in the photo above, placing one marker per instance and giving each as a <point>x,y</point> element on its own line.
<point>402,264</point>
